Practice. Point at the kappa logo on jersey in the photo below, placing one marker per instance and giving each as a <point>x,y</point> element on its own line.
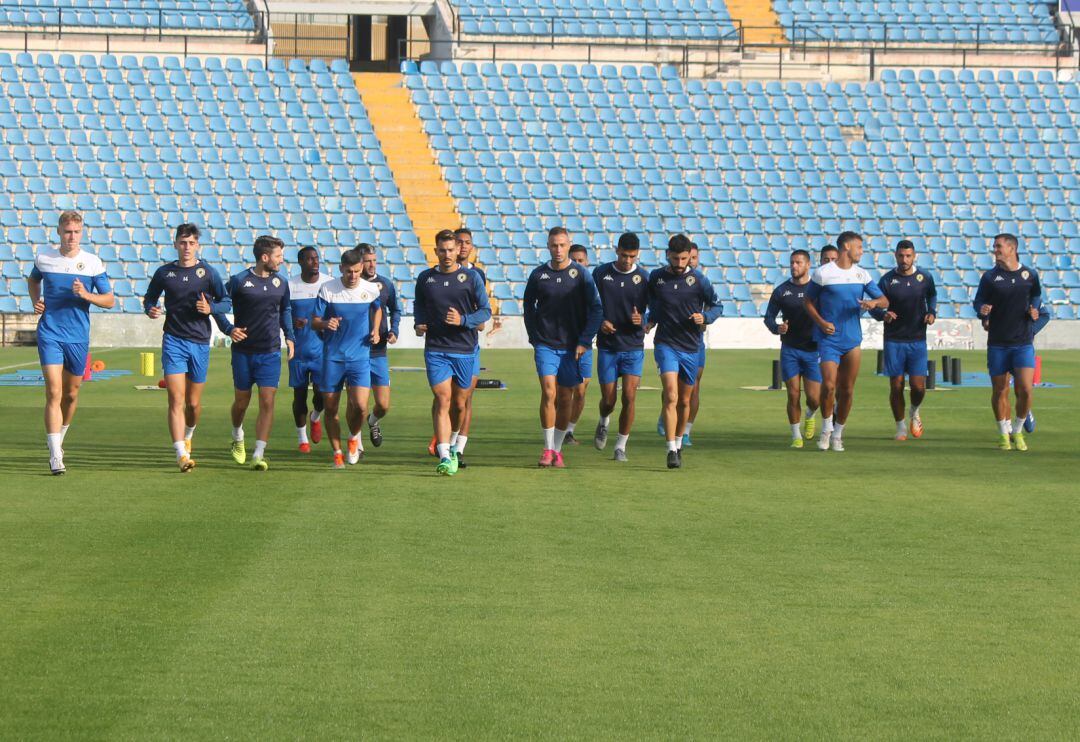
<point>660,282</point>
<point>787,293</point>
<point>999,278</point>
<point>170,275</point>
<point>248,285</point>
<point>544,276</point>
<point>894,282</point>
<point>431,279</point>
<point>611,278</point>
<point>462,278</point>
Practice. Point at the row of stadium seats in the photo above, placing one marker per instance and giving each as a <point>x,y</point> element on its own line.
<point>147,15</point>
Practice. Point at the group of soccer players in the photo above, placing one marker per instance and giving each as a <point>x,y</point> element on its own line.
<point>821,336</point>
<point>337,330</point>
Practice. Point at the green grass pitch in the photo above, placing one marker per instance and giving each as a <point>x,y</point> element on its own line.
<point>929,589</point>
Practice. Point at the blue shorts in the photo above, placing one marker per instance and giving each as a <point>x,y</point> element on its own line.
<point>1005,359</point>
<point>180,356</point>
<point>585,365</point>
<point>335,374</point>
<point>55,353</point>
<point>671,360</point>
<point>305,372</point>
<point>905,359</point>
<point>263,369</point>
<point>795,362</point>
<point>443,366</point>
<point>476,365</point>
<point>610,364</point>
<point>557,362</point>
<point>701,358</point>
<point>831,351</point>
<point>380,371</point>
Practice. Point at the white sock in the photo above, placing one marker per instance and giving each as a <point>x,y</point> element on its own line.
<point>301,434</point>
<point>678,442</point>
<point>1004,427</point>
<point>315,415</point>
<point>459,444</point>
<point>560,436</point>
<point>673,445</point>
<point>914,411</point>
<point>549,439</point>
<point>63,432</point>
<point>620,441</point>
<point>181,449</point>
<point>56,444</point>
<point>901,426</point>
<point>453,437</point>
<point>795,431</point>
<point>827,424</point>
<point>238,433</point>
<point>189,432</point>
<point>808,413</point>
<point>570,427</point>
<point>260,449</point>
<point>838,430</point>
<point>605,420</point>
<point>443,449</point>
<point>1017,424</point>
<point>359,441</point>
<point>688,426</point>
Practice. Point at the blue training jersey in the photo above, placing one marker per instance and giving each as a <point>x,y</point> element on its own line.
<point>673,298</point>
<point>911,298</point>
<point>261,307</point>
<point>66,318</point>
<point>436,292</point>
<point>391,316</point>
<point>837,292</point>
<point>182,287</point>
<point>1010,294</point>
<point>562,309</point>
<point>620,294</point>
<point>356,307</point>
<point>789,301</point>
<point>302,295</point>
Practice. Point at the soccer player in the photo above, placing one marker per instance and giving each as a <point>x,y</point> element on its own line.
<point>580,255</point>
<point>458,438</point>
<point>623,286</point>
<point>451,303</point>
<point>681,303</point>
<point>306,366</point>
<point>827,255</point>
<point>388,334</point>
<point>63,284</point>
<point>349,315</point>
<point>193,291</point>
<point>562,314</point>
<point>798,349</point>
<point>834,301</point>
<point>912,299</point>
<point>261,312</point>
<point>1010,297</point>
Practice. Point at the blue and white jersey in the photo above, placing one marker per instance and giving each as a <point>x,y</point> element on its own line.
<point>351,341</point>
<point>302,295</point>
<point>837,292</point>
<point>66,318</point>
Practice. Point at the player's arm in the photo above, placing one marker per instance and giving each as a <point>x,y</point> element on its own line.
<point>320,314</point>
<point>482,313</point>
<point>877,300</point>
<point>420,311</point>
<point>772,311</point>
<point>931,299</point>
<point>595,312</point>
<point>220,318</point>
<point>376,321</point>
<point>153,293</point>
<point>528,307</point>
<point>221,303</point>
<point>99,294</point>
<point>982,296</point>
<point>813,291</point>
<point>712,309</point>
<point>33,288</point>
<point>285,316</point>
<point>877,312</point>
<point>394,309</point>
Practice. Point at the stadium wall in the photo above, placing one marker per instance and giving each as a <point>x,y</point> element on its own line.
<point>127,330</point>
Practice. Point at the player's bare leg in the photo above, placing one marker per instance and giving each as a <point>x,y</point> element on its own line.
<point>1023,383</point>
<point>355,412</point>
<point>794,408</point>
<point>300,417</point>
<point>918,394</point>
<point>999,403</point>
<point>828,401</point>
<point>442,422</point>
<point>564,410</point>
<point>695,403</point>
<point>176,385</point>
<point>241,400</point>
<point>61,399</point>
<point>263,423</point>
<point>846,374</point>
<point>548,394</point>
<point>576,408</point>
<point>896,403</point>
<point>331,402</point>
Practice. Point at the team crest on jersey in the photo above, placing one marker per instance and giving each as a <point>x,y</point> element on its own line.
<point>200,272</point>
<point>80,266</point>
<point>276,282</point>
<point>690,280</point>
<point>573,273</point>
<point>636,278</point>
<point>461,278</point>
<point>918,277</point>
<point>1025,275</point>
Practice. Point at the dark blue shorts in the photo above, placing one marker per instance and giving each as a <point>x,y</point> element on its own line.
<point>380,371</point>
<point>305,372</point>
<point>610,365</point>
<point>180,356</point>
<point>1005,359</point>
<point>585,364</point>
<point>905,359</point>
<point>71,355</point>
<point>701,357</point>
<point>795,362</point>
<point>443,366</point>
<point>262,369</point>
<point>557,362</point>
<point>672,360</point>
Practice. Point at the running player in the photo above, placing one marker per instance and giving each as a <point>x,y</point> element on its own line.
<point>798,349</point>
<point>580,255</point>
<point>827,255</point>
<point>834,301</point>
<point>458,438</point>
<point>63,285</point>
<point>388,334</point>
<point>562,314</point>
<point>193,291</point>
<point>306,367</point>
<point>624,293</point>
<point>348,314</point>
<point>681,303</point>
<point>912,299</point>
<point>451,303</point>
<point>1010,297</point>
<point>261,312</point>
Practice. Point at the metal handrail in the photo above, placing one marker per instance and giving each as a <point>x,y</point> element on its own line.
<point>60,9</point>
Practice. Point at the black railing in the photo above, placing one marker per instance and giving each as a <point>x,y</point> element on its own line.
<point>63,19</point>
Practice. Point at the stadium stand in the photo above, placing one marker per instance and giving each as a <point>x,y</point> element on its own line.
<point>133,15</point>
<point>919,21</point>
<point>755,170</point>
<point>683,19</point>
<point>233,146</point>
